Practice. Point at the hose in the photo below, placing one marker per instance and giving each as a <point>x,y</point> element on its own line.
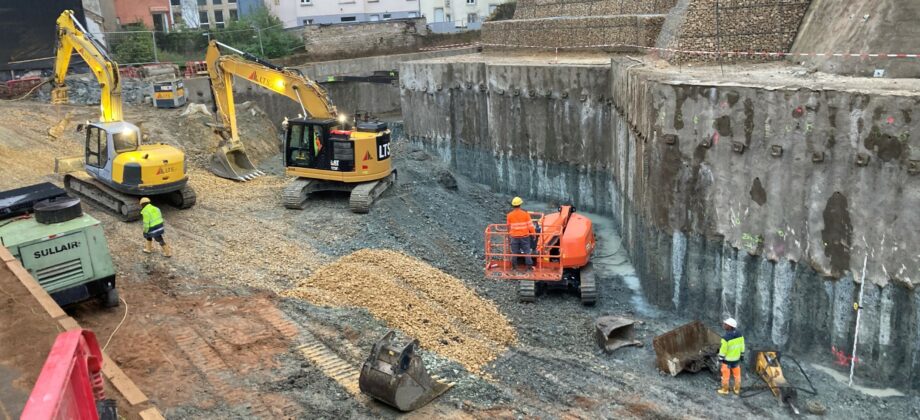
<point>119,324</point>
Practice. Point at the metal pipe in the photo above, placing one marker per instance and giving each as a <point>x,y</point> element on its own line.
<point>300,101</point>
<point>862,286</point>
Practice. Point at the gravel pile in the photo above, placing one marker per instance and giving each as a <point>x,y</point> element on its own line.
<point>438,309</point>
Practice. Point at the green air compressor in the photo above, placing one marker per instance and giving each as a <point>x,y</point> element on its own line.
<point>61,247</point>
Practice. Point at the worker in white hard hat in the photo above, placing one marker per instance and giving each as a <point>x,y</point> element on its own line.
<point>731,354</point>
<point>153,227</point>
<point>521,231</point>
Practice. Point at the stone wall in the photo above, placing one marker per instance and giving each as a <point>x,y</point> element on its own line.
<point>535,9</point>
<point>363,39</point>
<point>731,25</point>
<point>856,27</point>
<point>619,25</point>
<point>733,199</point>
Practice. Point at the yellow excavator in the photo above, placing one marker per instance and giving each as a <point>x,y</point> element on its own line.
<point>117,168</point>
<point>321,149</point>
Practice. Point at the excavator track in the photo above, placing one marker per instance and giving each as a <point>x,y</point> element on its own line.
<point>588,286</point>
<point>123,206</point>
<point>527,291</point>
<point>184,198</point>
<point>363,195</point>
<point>295,194</point>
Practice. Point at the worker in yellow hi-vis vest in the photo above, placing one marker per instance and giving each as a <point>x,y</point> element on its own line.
<point>731,354</point>
<point>153,227</point>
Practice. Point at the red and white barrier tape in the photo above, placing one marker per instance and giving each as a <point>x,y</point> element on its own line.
<point>449,46</point>
<point>723,53</point>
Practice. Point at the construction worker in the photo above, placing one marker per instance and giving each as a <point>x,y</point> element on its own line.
<point>731,354</point>
<point>521,230</point>
<point>153,227</point>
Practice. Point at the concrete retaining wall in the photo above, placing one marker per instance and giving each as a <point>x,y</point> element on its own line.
<point>717,220</point>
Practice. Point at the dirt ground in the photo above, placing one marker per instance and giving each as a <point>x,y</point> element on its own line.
<point>208,333</point>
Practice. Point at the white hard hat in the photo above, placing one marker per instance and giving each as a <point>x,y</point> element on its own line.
<point>731,322</point>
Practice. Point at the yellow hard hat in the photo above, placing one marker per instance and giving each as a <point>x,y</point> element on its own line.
<point>145,200</point>
<point>517,201</point>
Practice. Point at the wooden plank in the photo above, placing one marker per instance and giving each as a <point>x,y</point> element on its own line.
<point>68,323</point>
<point>122,382</point>
<point>151,414</point>
<point>36,289</point>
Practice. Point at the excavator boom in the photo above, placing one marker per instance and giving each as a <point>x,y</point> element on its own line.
<point>230,160</point>
<point>72,37</point>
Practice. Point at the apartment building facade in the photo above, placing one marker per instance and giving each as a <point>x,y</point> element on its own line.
<point>457,13</point>
<point>151,13</point>
<point>321,12</point>
<point>214,14</point>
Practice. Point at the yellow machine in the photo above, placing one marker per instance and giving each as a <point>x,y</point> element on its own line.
<point>118,168</point>
<point>320,150</point>
<point>768,366</point>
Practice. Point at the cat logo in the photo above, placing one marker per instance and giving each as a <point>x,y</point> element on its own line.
<point>165,170</point>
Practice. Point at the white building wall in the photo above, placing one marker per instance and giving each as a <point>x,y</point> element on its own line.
<point>286,10</point>
<point>458,11</point>
<point>344,11</point>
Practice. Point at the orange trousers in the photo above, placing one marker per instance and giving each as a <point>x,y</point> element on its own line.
<point>735,371</point>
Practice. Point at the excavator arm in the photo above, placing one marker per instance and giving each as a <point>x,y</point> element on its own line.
<point>292,83</point>
<point>71,36</point>
<point>230,160</point>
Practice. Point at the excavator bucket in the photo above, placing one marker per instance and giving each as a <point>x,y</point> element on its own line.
<point>396,375</point>
<point>690,347</point>
<point>612,332</point>
<point>231,161</point>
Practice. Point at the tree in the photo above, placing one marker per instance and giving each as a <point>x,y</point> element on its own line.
<point>133,46</point>
<point>245,34</point>
<point>504,11</point>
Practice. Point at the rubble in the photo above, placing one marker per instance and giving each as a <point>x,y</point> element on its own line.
<point>85,90</point>
<point>436,308</point>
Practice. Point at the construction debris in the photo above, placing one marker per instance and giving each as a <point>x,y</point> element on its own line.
<point>440,310</point>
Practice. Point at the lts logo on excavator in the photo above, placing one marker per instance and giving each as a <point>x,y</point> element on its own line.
<point>277,84</point>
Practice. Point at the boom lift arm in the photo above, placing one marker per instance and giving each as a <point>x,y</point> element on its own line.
<point>72,37</point>
<point>231,161</point>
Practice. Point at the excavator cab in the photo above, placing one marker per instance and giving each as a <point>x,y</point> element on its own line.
<point>308,141</point>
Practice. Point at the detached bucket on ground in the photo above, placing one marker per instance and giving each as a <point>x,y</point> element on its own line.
<point>689,347</point>
<point>613,332</point>
<point>232,162</point>
<point>396,375</point>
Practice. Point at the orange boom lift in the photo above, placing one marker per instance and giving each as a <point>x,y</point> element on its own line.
<point>562,253</point>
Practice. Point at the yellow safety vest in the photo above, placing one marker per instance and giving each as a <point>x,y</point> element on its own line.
<point>152,217</point>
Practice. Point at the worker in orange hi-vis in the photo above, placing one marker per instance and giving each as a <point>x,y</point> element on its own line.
<point>521,230</point>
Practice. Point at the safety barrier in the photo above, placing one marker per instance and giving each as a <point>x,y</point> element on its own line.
<point>546,253</point>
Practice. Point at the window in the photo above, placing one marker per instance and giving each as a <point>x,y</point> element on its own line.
<point>306,2</point>
<point>219,18</point>
<point>492,9</point>
<point>125,141</point>
<point>308,21</point>
<point>93,134</point>
<point>348,19</point>
<point>233,15</point>
<point>472,17</point>
<point>203,18</point>
<point>413,14</point>
<point>439,14</point>
<point>470,1</point>
<point>231,1</point>
<point>375,18</point>
<point>386,16</point>
<point>216,1</point>
<point>202,2</point>
<point>175,2</point>
<point>159,22</point>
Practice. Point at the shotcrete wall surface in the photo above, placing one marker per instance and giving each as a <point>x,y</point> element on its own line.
<point>756,196</point>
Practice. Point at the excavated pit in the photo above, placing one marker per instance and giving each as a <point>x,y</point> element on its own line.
<point>756,194</point>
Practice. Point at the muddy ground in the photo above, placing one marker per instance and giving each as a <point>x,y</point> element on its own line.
<point>207,334</point>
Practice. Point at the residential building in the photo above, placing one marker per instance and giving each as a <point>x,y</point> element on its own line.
<point>151,13</point>
<point>286,10</point>
<point>213,14</point>
<point>319,12</point>
<point>246,7</point>
<point>457,13</point>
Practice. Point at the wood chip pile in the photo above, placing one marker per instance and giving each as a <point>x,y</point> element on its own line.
<point>425,303</point>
